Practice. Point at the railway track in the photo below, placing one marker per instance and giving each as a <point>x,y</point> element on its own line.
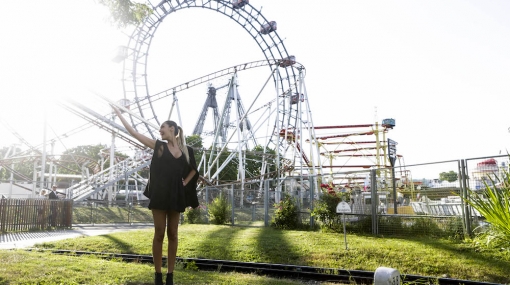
<point>306,273</point>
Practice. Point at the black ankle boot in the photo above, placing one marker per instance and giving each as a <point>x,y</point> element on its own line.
<point>158,279</point>
<point>170,278</point>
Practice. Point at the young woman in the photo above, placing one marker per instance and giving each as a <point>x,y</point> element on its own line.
<point>172,188</point>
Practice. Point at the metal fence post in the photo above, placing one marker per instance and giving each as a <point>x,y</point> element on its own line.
<point>312,201</point>
<point>374,199</point>
<point>266,203</point>
<point>129,213</point>
<point>393,180</point>
<point>463,187</point>
<point>464,195</point>
<point>206,204</point>
<point>92,212</point>
<point>233,204</point>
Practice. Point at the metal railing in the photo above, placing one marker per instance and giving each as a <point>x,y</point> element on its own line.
<point>108,177</point>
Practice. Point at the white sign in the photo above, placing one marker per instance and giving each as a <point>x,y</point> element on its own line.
<point>343,207</point>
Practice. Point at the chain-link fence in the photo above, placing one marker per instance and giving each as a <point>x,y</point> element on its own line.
<point>410,203</point>
<point>253,203</point>
<point>104,212</point>
<point>400,201</point>
<point>423,199</point>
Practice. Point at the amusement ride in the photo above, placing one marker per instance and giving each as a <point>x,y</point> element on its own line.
<point>273,134</point>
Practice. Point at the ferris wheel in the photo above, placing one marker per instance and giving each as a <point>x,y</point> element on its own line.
<point>287,124</point>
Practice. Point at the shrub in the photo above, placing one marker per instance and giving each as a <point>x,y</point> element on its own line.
<point>219,210</point>
<point>363,225</point>
<point>424,227</point>
<point>391,225</point>
<point>286,215</point>
<point>193,216</point>
<point>325,209</point>
<point>454,228</point>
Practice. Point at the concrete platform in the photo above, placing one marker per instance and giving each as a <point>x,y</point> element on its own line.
<point>29,239</point>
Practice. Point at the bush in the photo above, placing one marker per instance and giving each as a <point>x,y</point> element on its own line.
<point>424,227</point>
<point>454,228</point>
<point>286,215</point>
<point>363,225</point>
<point>325,210</point>
<point>391,225</point>
<point>219,210</point>
<point>193,216</point>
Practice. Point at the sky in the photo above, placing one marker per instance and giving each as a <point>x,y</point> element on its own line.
<point>441,69</point>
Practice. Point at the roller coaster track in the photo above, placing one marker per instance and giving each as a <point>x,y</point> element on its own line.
<point>110,126</point>
<point>121,171</point>
<point>206,78</point>
<point>100,121</point>
<point>103,179</point>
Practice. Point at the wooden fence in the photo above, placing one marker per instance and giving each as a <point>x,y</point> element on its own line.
<point>21,215</point>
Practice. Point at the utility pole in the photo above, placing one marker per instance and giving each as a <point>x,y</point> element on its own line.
<point>52,178</point>
<point>43,158</point>
<point>11,178</point>
<point>112,164</point>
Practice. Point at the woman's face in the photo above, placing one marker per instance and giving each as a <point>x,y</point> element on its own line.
<point>166,131</point>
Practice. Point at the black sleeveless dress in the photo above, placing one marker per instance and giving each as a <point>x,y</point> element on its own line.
<point>165,182</point>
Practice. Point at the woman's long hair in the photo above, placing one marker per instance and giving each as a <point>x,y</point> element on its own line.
<point>182,145</point>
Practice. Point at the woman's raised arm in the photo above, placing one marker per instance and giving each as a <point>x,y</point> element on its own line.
<point>148,142</point>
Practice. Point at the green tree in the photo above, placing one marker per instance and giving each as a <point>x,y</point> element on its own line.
<point>72,160</point>
<point>24,168</point>
<point>229,172</point>
<point>254,161</point>
<point>3,171</point>
<point>448,176</point>
<point>126,12</point>
<point>252,166</point>
<point>196,142</point>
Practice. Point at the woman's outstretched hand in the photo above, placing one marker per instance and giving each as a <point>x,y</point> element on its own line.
<point>116,110</point>
<point>148,142</point>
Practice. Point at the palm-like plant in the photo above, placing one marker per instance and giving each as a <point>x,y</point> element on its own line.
<point>494,205</point>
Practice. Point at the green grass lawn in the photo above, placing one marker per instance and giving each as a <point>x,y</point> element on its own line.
<point>22,267</point>
<point>418,256</point>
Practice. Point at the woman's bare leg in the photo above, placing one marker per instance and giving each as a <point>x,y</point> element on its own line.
<point>173,224</point>
<point>159,218</point>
